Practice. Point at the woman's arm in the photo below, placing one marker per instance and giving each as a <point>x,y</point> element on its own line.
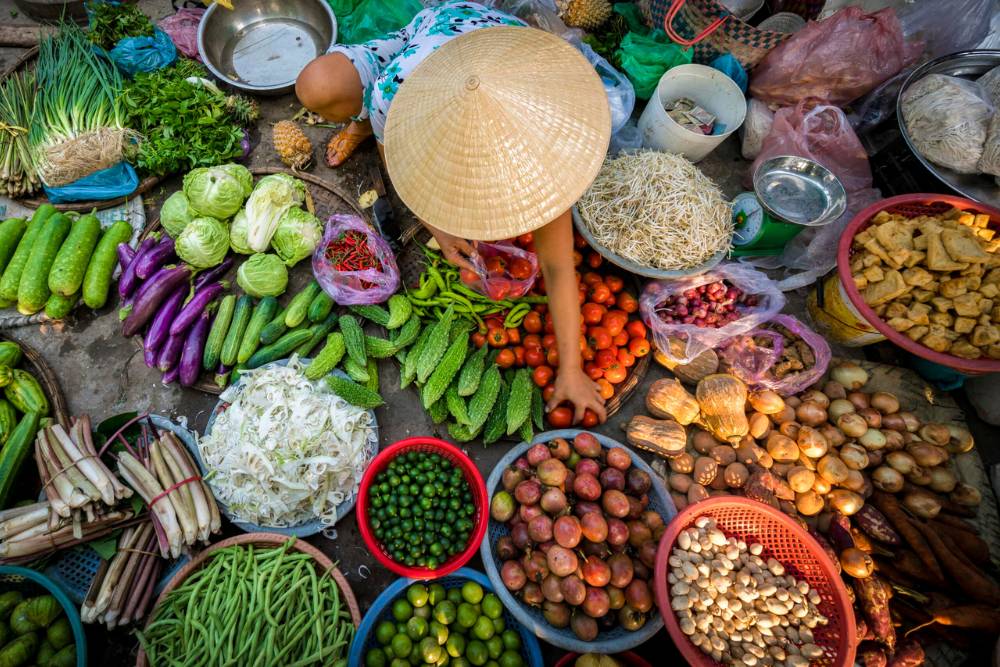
<point>554,245</point>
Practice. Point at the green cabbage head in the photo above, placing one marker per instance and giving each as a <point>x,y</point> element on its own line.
<point>273,195</point>
<point>238,234</point>
<point>214,191</point>
<point>297,235</point>
<point>203,243</point>
<point>262,275</point>
<point>241,174</point>
<point>176,213</point>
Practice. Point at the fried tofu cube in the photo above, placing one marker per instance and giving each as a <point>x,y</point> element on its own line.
<point>941,304</point>
<point>920,243</point>
<point>870,259</point>
<point>874,274</point>
<point>943,319</point>
<point>964,325</point>
<point>857,264</point>
<point>860,282</point>
<point>917,332</point>
<point>985,305</point>
<point>962,246</point>
<point>967,219</point>
<point>922,295</point>
<point>936,338</point>
<point>895,309</point>
<point>916,256</point>
<point>917,277</point>
<point>918,313</point>
<point>891,287</point>
<point>985,320</point>
<point>986,234</point>
<point>993,351</point>
<point>880,217</point>
<point>967,305</point>
<point>992,277</point>
<point>952,288</point>
<point>905,299</point>
<point>982,221</point>
<point>938,258</point>
<point>964,349</point>
<point>989,290</point>
<point>880,310</point>
<point>899,323</point>
<point>983,336</point>
<point>973,282</point>
<point>995,314</point>
<point>863,236</point>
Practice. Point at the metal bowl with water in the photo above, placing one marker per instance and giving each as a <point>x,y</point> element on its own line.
<point>799,190</point>
<point>260,46</point>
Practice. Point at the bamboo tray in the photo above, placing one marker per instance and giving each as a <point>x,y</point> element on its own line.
<point>262,539</point>
<point>46,377</point>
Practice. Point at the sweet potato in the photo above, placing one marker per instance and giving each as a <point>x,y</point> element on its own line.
<point>827,548</point>
<point>873,598</point>
<point>910,565</point>
<point>840,532</point>
<point>967,543</point>
<point>956,522</point>
<point>876,526</point>
<point>970,617</point>
<point>969,578</point>
<point>910,654</point>
<point>873,656</point>
<point>892,511</point>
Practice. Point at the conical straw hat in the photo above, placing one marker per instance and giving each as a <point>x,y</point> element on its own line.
<point>497,133</point>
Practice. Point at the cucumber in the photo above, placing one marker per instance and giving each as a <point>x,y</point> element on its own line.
<point>262,314</point>
<point>97,279</point>
<point>275,329</point>
<point>33,290</point>
<point>58,306</point>
<point>241,317</point>
<point>15,267</point>
<point>217,334</point>
<point>320,307</point>
<point>15,451</point>
<point>279,349</point>
<point>319,332</point>
<point>11,232</point>
<point>299,305</point>
<point>66,275</point>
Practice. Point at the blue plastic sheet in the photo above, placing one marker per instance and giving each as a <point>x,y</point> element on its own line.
<point>732,68</point>
<point>144,54</point>
<point>117,181</point>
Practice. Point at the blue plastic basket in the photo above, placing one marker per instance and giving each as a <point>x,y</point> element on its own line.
<point>611,641</point>
<point>29,581</point>
<point>381,610</point>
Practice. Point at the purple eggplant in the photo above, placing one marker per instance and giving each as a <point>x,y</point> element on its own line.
<point>128,280</point>
<point>194,347</point>
<point>159,328</point>
<point>170,353</point>
<point>170,376</point>
<point>149,353</point>
<point>158,288</point>
<point>193,308</point>
<point>151,261</point>
<point>126,254</point>
<point>213,274</point>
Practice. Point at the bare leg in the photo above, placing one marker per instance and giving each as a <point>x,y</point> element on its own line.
<point>331,87</point>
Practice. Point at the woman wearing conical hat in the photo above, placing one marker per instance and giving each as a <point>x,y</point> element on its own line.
<point>489,130</point>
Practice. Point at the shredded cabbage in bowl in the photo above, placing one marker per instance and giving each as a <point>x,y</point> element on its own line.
<point>286,450</point>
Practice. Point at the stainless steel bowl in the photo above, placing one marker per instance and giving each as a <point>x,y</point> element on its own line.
<point>967,65</point>
<point>260,46</point>
<point>796,189</point>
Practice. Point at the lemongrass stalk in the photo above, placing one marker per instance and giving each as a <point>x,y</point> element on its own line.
<point>70,467</point>
<point>191,491</point>
<point>190,470</point>
<point>8,514</point>
<point>189,526</point>
<point>86,436</point>
<point>87,611</point>
<point>146,485</point>
<point>127,541</point>
<point>90,467</point>
<point>126,581</point>
<point>70,496</point>
<point>143,581</point>
<point>28,533</point>
<point>37,516</point>
<point>62,537</point>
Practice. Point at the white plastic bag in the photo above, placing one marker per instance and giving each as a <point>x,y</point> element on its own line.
<point>755,128</point>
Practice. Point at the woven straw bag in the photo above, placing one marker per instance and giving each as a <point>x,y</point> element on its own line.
<point>713,30</point>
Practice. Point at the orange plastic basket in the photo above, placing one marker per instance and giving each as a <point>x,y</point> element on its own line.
<point>783,540</point>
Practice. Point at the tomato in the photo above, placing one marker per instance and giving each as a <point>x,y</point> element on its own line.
<point>494,321</point>
<point>549,341</point>
<point>577,258</point>
<point>614,321</point>
<point>582,296</point>
<point>636,329</point>
<point>588,353</point>
<point>549,327</point>
<point>540,287</point>
<point>599,338</point>
<point>540,308</point>
<point>496,265</point>
<point>627,302</point>
<point>514,336</point>
<point>532,342</point>
<point>578,240</point>
<point>621,340</point>
<point>590,278</point>
<point>593,371</point>
<point>614,283</point>
<point>594,260</point>
<point>534,357</point>
<point>593,313</point>
<point>547,392</point>
<point>497,337</point>
<point>615,373</point>
<point>478,339</point>
<point>519,353</point>
<point>605,358</point>
<point>532,322</point>
<point>639,347</point>
<point>607,389</point>
<point>552,357</point>
<point>468,277</point>
<point>525,239</point>
<point>561,417</point>
<point>542,375</point>
<point>520,269</point>
<point>599,293</point>
<point>626,358</point>
<point>589,419</point>
<point>505,359</point>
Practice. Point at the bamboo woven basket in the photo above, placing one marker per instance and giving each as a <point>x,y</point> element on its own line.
<point>46,377</point>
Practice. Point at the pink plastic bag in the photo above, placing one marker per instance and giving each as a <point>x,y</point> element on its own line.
<point>683,342</point>
<point>351,288</point>
<point>513,273</point>
<point>835,60</point>
<point>754,363</point>
<point>183,30</point>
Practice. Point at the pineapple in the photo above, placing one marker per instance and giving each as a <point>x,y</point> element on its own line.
<point>245,110</point>
<point>292,145</point>
<point>586,14</point>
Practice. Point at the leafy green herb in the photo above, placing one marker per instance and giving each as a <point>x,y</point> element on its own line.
<point>606,39</point>
<point>110,23</point>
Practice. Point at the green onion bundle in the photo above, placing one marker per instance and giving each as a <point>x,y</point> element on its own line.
<point>18,175</point>
<point>78,124</point>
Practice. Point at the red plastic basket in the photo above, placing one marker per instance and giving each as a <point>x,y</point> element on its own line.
<point>910,206</point>
<point>479,498</point>
<point>628,658</point>
<point>790,545</point>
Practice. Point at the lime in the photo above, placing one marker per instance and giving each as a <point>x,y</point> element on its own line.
<point>495,646</point>
<point>401,610</point>
<point>437,593</point>
<point>423,612</point>
<point>483,627</point>
<point>430,650</point>
<point>511,640</point>
<point>476,652</point>
<point>467,615</point>
<point>416,628</point>
<point>455,595</point>
<point>417,594</point>
<point>401,646</point>
<point>399,662</point>
<point>492,663</point>
<point>445,612</point>
<point>492,606</point>
<point>472,592</point>
<point>511,659</point>
<point>375,658</point>
<point>438,631</point>
<point>499,625</point>
<point>456,646</point>
<point>460,662</point>
<point>384,632</point>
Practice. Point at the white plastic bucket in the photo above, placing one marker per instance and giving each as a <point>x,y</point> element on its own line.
<point>710,89</point>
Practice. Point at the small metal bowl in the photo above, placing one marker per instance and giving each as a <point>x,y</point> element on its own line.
<point>260,46</point>
<point>799,190</point>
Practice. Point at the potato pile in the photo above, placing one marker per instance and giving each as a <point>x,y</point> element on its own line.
<point>935,279</point>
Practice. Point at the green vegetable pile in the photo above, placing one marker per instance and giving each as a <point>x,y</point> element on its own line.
<point>462,625</point>
<point>421,509</point>
<point>252,605</point>
<point>34,631</point>
<point>22,408</point>
<point>110,23</point>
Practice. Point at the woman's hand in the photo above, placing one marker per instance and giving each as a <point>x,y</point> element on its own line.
<point>456,250</point>
<point>573,385</point>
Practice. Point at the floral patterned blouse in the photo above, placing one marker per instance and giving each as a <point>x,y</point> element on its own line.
<point>384,63</point>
